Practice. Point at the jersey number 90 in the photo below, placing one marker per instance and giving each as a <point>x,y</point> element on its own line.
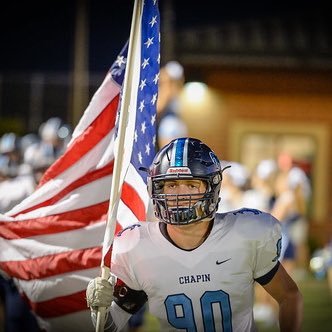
<point>180,311</point>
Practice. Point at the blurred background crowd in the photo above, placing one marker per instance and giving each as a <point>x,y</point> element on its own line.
<point>23,159</point>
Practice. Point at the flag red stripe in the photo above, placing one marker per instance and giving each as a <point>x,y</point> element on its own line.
<point>100,127</point>
<point>51,265</point>
<point>132,199</point>
<point>60,306</point>
<point>87,178</point>
<point>69,220</point>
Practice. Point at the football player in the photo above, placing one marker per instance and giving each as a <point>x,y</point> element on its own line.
<point>195,268</point>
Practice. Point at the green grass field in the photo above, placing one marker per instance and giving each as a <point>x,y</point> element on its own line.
<point>317,306</point>
<point>317,309</point>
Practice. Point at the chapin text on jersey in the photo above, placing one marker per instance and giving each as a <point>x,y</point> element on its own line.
<point>194,278</point>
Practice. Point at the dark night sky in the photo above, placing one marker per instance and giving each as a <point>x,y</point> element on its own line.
<point>38,36</point>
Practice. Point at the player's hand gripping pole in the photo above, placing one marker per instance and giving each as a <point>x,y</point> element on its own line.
<point>121,166</point>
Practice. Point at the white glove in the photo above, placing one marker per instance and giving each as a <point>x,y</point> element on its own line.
<point>99,293</point>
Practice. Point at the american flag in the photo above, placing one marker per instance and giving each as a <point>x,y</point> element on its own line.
<point>141,142</point>
<point>51,242</point>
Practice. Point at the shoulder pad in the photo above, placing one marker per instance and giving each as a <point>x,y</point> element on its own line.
<point>254,223</point>
<point>127,239</point>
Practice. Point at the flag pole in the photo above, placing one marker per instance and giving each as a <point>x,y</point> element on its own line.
<point>116,185</point>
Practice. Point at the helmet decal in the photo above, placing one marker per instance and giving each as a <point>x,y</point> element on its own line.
<point>214,158</point>
<point>180,153</point>
<point>180,170</point>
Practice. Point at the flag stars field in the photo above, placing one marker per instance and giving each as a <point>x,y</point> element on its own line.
<point>121,61</point>
<point>143,127</point>
<point>156,79</point>
<point>141,106</point>
<point>153,119</point>
<point>149,42</point>
<point>143,84</point>
<point>153,21</point>
<point>147,149</point>
<point>154,99</point>
<point>145,63</point>
<point>140,159</point>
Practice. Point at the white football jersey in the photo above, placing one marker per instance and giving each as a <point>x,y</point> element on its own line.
<point>210,288</point>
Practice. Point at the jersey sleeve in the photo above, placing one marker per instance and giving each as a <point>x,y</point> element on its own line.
<point>124,245</point>
<point>128,294</point>
<point>268,249</point>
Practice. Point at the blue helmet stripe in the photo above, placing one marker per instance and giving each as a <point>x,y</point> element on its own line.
<point>180,157</point>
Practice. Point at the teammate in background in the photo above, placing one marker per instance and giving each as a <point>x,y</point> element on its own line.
<point>16,182</point>
<point>169,123</point>
<point>54,136</point>
<point>293,192</point>
<point>235,181</point>
<point>195,268</point>
<point>261,196</point>
<point>10,149</point>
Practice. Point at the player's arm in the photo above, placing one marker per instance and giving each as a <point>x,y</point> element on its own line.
<point>121,301</point>
<point>270,273</point>
<point>285,291</point>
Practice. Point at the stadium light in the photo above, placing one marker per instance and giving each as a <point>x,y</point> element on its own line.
<point>195,92</point>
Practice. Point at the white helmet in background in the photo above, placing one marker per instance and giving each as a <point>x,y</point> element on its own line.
<point>237,174</point>
<point>54,129</point>
<point>9,142</point>
<point>38,156</point>
<point>298,178</point>
<point>266,168</point>
<point>175,70</point>
<point>10,147</point>
<point>28,140</point>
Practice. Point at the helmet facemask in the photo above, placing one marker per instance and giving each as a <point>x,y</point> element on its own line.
<point>183,209</point>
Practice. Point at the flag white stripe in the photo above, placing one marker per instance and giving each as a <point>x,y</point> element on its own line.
<point>125,216</point>
<point>51,244</point>
<point>81,196</point>
<point>60,285</point>
<point>103,152</point>
<point>107,91</point>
